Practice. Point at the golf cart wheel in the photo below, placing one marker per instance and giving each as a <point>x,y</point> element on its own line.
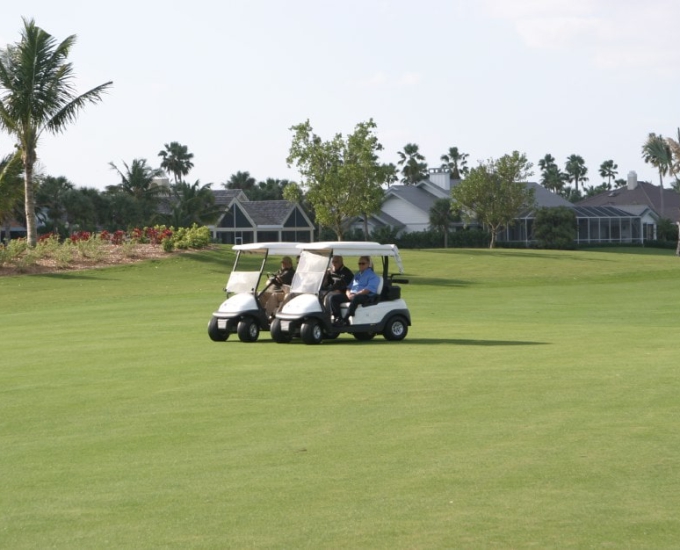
<point>248,330</point>
<point>216,335</point>
<point>396,329</point>
<point>311,332</point>
<point>364,336</point>
<point>278,335</point>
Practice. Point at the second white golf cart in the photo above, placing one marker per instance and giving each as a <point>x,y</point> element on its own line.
<point>304,315</point>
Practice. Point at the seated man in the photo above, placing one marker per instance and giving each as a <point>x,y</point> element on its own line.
<point>336,281</point>
<point>272,298</point>
<point>363,290</point>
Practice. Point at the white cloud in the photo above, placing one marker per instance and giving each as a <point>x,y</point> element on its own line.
<point>621,34</point>
<point>410,79</point>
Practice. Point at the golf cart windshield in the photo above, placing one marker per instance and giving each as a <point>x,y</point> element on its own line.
<point>246,273</point>
<point>310,272</point>
<point>252,260</point>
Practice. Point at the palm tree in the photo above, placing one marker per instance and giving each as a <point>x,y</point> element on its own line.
<point>608,170</point>
<point>546,162</point>
<point>11,190</point>
<point>176,160</point>
<point>455,162</point>
<point>576,170</point>
<point>552,177</point>
<point>37,96</point>
<point>192,203</point>
<point>413,169</point>
<point>675,151</point>
<point>137,182</point>
<point>441,218</point>
<point>240,180</point>
<point>657,152</point>
<point>50,195</point>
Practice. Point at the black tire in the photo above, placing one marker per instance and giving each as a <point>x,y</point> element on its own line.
<point>330,335</point>
<point>364,336</point>
<point>248,330</point>
<point>396,328</point>
<point>311,332</point>
<point>216,335</point>
<point>278,335</point>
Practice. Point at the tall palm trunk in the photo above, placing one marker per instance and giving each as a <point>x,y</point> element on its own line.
<point>29,158</point>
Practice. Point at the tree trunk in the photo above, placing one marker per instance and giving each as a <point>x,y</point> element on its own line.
<point>677,250</point>
<point>29,205</point>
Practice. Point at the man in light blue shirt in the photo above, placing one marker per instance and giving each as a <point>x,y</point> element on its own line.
<point>363,290</point>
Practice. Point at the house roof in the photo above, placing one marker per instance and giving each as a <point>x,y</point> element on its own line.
<point>224,197</point>
<point>417,195</point>
<point>264,213</point>
<point>644,194</point>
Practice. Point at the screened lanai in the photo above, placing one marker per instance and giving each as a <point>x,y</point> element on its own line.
<point>596,224</point>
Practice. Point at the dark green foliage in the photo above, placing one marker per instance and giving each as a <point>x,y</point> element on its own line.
<point>667,230</point>
<point>555,228</point>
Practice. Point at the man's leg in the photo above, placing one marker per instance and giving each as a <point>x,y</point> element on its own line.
<point>357,300</point>
<point>335,301</point>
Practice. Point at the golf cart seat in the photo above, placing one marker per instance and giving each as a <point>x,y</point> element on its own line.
<point>378,297</point>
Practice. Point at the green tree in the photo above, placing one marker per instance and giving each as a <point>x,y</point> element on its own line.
<point>552,177</point>
<point>176,160</point>
<point>293,193</point>
<point>11,190</point>
<point>414,169</point>
<point>80,210</point>
<point>493,193</point>
<point>240,180</point>
<point>608,170</point>
<point>555,228</point>
<point>455,162</point>
<point>49,196</point>
<point>191,203</point>
<point>441,218</point>
<point>36,83</point>
<point>390,174</point>
<point>576,170</point>
<point>270,189</point>
<point>342,176</point>
<point>137,181</point>
<point>657,152</point>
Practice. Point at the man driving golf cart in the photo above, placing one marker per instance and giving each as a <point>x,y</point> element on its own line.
<point>304,314</point>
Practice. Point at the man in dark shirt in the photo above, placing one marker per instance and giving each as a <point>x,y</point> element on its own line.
<point>337,279</point>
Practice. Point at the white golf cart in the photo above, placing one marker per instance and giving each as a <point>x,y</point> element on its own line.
<point>242,311</point>
<point>304,314</point>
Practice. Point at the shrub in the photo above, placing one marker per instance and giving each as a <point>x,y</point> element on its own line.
<point>555,228</point>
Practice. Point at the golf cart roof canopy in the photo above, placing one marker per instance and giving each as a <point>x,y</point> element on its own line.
<point>285,248</point>
<point>355,248</point>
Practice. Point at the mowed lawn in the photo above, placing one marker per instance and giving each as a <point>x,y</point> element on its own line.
<point>534,404</point>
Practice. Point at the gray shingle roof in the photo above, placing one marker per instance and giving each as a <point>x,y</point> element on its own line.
<point>268,212</point>
<point>223,197</point>
<point>645,194</point>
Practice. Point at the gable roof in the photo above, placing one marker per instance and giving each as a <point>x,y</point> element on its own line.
<point>224,197</point>
<point>416,195</point>
<point>644,194</point>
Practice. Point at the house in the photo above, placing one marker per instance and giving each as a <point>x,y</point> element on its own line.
<point>407,209</point>
<point>243,221</point>
<point>639,198</point>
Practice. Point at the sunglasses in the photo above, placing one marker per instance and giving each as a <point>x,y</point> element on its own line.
<point>363,263</point>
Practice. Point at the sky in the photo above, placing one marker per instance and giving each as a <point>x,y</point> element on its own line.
<point>228,80</point>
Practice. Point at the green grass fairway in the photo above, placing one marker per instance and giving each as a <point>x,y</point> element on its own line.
<point>535,403</point>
